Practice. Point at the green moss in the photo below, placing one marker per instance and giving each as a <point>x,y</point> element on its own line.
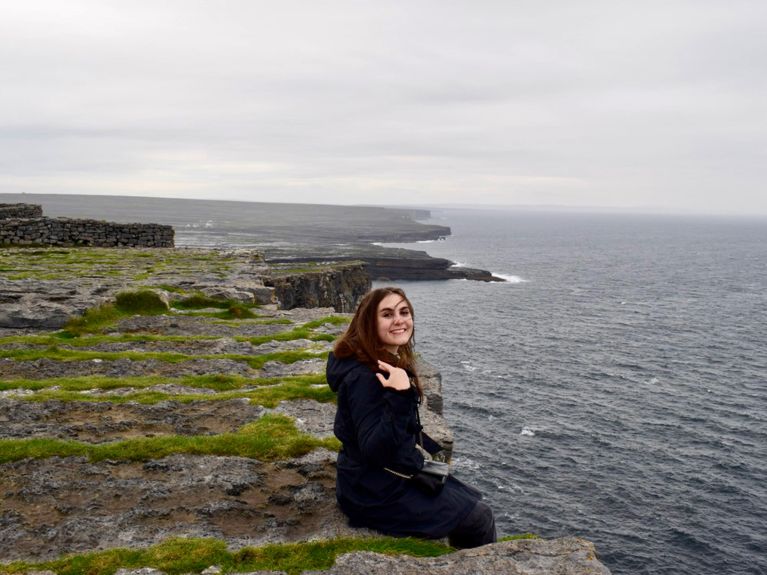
<point>59,354</point>
<point>332,319</point>
<point>200,301</point>
<point>270,438</point>
<point>304,331</point>
<point>181,555</point>
<point>94,320</point>
<point>168,288</point>
<point>143,302</point>
<point>519,536</point>
<point>237,311</point>
<point>92,340</point>
<point>265,395</point>
<point>132,264</point>
<point>218,382</point>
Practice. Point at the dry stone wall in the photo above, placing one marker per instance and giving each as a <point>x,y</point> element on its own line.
<point>24,224</point>
<point>8,211</point>
<point>66,232</point>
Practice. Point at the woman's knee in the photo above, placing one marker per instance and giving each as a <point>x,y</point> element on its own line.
<point>478,528</point>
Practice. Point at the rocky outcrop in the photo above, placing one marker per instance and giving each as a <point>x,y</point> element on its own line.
<point>48,304</point>
<point>382,263</point>
<point>242,276</point>
<point>341,287</point>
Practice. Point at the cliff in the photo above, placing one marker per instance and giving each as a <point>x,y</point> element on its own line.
<point>185,403</point>
<point>338,285</point>
<point>44,287</point>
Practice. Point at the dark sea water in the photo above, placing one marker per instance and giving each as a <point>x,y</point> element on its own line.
<point>616,387</point>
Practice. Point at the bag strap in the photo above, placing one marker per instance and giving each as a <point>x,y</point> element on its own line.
<point>398,474</point>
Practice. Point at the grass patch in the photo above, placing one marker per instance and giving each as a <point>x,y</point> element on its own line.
<point>304,331</point>
<point>237,311</point>
<point>180,555</point>
<point>90,340</point>
<point>219,382</point>
<point>94,320</point>
<point>332,319</point>
<point>231,309</point>
<point>266,395</point>
<point>141,302</point>
<point>59,354</point>
<point>270,438</point>
<point>519,536</point>
<point>168,288</point>
<point>200,301</point>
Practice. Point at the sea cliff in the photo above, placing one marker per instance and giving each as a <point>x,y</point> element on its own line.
<point>183,400</point>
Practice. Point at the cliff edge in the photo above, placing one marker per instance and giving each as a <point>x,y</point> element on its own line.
<point>181,423</point>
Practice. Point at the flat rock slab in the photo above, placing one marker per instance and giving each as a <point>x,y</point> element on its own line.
<point>66,505</point>
<point>98,422</point>
<point>566,556</point>
<point>311,416</point>
<point>46,368</point>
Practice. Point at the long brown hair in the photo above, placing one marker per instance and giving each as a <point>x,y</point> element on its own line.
<point>360,340</point>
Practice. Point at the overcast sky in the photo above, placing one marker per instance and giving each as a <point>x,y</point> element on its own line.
<point>641,105</point>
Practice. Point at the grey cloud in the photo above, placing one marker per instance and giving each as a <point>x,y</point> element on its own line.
<point>617,103</point>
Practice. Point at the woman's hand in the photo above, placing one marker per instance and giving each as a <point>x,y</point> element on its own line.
<point>398,378</point>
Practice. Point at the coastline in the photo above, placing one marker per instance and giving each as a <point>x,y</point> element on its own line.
<point>284,233</point>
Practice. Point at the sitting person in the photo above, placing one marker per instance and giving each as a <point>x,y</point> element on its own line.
<point>372,369</point>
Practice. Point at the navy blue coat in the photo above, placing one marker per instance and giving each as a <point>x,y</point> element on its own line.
<point>378,427</point>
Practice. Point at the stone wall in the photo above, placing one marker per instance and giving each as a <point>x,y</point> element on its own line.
<point>8,211</point>
<point>72,232</point>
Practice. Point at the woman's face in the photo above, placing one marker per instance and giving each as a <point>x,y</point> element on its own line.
<point>394,322</point>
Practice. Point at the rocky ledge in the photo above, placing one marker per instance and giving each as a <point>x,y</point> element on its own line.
<point>203,413</point>
<point>44,287</point>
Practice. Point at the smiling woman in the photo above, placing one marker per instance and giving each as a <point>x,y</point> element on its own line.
<point>382,481</point>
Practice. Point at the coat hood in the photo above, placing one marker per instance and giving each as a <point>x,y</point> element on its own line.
<point>338,369</point>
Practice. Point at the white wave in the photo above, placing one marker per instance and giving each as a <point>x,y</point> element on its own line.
<point>653,381</point>
<point>467,366</point>
<point>511,279</point>
<point>465,463</point>
<point>527,432</point>
<point>425,241</point>
<point>459,265</point>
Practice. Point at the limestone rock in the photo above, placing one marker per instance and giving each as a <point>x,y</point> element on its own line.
<point>565,556</point>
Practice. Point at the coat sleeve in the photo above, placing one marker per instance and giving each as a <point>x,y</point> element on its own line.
<point>381,418</point>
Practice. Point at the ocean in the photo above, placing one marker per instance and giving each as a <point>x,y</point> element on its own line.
<point>615,387</point>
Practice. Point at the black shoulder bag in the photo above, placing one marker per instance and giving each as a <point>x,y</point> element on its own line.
<point>431,478</point>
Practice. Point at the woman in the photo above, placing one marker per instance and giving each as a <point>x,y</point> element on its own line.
<point>372,370</point>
